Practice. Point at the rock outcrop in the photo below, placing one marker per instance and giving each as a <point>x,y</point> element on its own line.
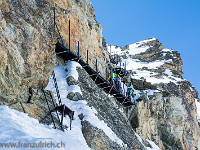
<point>84,28</point>
<point>27,47</point>
<point>167,115</point>
<point>27,54</point>
<point>28,38</point>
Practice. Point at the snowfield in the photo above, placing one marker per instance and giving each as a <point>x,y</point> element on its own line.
<point>135,48</point>
<point>19,127</point>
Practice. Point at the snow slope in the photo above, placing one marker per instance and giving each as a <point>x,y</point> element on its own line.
<point>18,127</point>
<point>137,66</point>
<point>135,48</point>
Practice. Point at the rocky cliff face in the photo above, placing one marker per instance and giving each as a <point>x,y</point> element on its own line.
<point>28,44</point>
<point>167,115</point>
<point>84,28</point>
<point>27,52</point>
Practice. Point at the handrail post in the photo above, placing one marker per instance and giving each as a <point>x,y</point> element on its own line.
<point>87,56</point>
<point>106,74</point>
<point>78,49</point>
<point>96,66</point>
<point>111,75</point>
<point>54,19</point>
<point>69,35</point>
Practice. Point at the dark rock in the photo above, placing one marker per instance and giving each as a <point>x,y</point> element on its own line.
<point>142,85</point>
<point>137,84</point>
<point>74,96</point>
<point>165,93</point>
<point>134,120</point>
<point>147,144</point>
<point>71,81</point>
<point>104,44</point>
<point>81,116</point>
<point>97,139</point>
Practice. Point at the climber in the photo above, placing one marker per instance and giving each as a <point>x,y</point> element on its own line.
<point>118,82</point>
<point>130,94</point>
<point>112,76</point>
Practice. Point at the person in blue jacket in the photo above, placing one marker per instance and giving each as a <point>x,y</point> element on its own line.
<point>131,95</point>
<point>117,83</point>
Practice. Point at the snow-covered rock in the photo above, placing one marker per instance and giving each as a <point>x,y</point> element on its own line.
<point>168,113</point>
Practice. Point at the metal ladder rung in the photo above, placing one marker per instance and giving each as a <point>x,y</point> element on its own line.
<point>93,74</point>
<point>85,66</point>
<point>115,94</point>
<point>73,59</point>
<point>62,52</point>
<point>79,59</point>
<point>128,102</point>
<point>101,83</point>
<point>106,87</point>
<point>124,100</point>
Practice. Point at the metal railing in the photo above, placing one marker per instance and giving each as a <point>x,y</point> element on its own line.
<point>74,46</point>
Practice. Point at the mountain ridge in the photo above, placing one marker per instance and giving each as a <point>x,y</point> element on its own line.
<point>167,114</point>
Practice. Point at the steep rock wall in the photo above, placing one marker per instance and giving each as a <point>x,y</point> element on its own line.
<point>170,121</point>
<point>27,51</point>
<point>83,28</point>
<point>27,46</point>
<point>167,115</point>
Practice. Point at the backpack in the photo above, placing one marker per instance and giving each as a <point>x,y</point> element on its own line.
<point>132,91</point>
<point>114,75</point>
<point>117,79</point>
